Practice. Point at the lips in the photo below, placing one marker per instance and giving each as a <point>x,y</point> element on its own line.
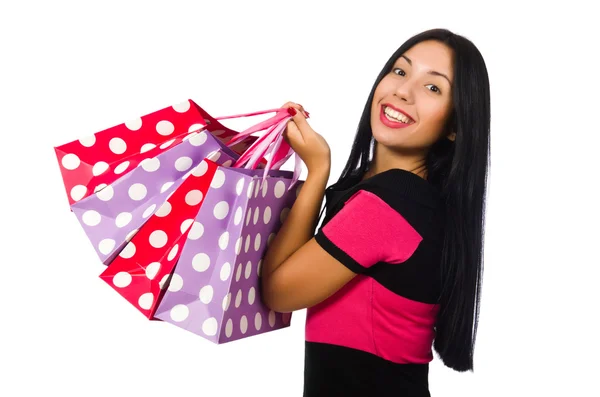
<point>389,123</point>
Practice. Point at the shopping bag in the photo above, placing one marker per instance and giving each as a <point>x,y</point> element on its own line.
<point>90,163</point>
<point>144,266</point>
<point>112,215</point>
<point>214,290</point>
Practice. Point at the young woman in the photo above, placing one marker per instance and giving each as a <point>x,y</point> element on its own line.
<point>395,269</point>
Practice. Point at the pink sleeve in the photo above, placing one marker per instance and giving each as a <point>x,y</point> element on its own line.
<point>366,231</point>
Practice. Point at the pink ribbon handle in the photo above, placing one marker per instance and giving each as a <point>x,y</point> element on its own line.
<point>270,142</point>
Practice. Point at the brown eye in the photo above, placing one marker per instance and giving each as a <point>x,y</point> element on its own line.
<point>396,70</point>
<point>434,88</point>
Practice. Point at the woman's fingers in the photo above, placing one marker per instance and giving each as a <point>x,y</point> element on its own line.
<point>295,106</point>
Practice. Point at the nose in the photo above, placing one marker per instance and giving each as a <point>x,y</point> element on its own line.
<point>404,91</point>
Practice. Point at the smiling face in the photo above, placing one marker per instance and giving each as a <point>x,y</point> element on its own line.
<point>413,102</point>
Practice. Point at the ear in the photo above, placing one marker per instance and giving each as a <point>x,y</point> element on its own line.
<point>451,136</point>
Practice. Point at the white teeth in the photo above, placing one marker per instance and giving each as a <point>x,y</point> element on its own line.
<point>396,115</point>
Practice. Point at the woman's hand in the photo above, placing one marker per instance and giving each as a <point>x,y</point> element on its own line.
<point>310,146</point>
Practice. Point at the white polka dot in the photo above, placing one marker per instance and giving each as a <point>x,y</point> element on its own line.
<point>182,107</point>
<point>146,300</point>
<point>123,219</point>
<point>257,242</point>
<point>100,187</point>
<point>238,298</point>
<point>106,194</point>
<point>128,251</point>
<point>238,273</point>
<point>173,252</point>
<point>77,192</point>
<point>226,301</point>
<point>134,124</point>
<point>265,188</point>
<point>122,279</point>
<point>267,215</point>
<point>163,281</point>
<point>70,161</point>
<point>286,317</point>
<point>150,165</point>
<point>185,225</point>
<point>224,241</point>
<point>130,235</point>
<point>179,313</point>
<point>238,246</point>
<point>176,283</point>
<point>229,328</point>
<point>257,189</point>
<point>279,189</point>
<point>284,214</point>
<point>244,324</point>
<point>99,168</point>
<point>119,169</point>
<point>165,127</point>
<point>214,156</point>
<point>195,127</point>
<point>137,191</point>
<point>88,141</point>
<point>256,215</point>
<point>146,147</point>
<point>238,216</point>
<point>225,271</point>
<point>167,144</point>
<point>210,326</point>
<point>248,215</point>
<point>250,187</point>
<point>206,294</point>
<point>164,210</point>
<point>117,146</point>
<point>259,267</point>
<point>227,163</point>
<point>198,139</point>
<point>196,231</point>
<point>106,246</point>
<point>239,187</point>
<point>218,179</point>
<point>158,239</point>
<point>221,210</point>
<point>258,321</point>
<point>247,245</point>
<point>91,218</point>
<point>248,271</point>
<point>193,197</point>
<point>183,163</point>
<point>148,211</point>
<point>252,296</point>
<point>152,270</point>
<point>200,169</point>
<point>166,186</point>
<point>201,262</point>
<point>272,318</point>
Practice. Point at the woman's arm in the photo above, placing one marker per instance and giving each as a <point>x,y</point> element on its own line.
<point>297,272</point>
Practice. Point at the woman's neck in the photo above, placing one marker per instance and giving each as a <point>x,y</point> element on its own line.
<point>384,160</point>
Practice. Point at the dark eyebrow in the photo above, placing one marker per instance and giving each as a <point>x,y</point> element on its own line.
<point>432,72</point>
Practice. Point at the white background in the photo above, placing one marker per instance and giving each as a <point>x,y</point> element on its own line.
<point>69,69</point>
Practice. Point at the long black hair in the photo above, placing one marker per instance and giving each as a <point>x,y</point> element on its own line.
<point>459,170</point>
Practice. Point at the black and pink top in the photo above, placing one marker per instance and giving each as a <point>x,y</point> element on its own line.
<point>374,337</point>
